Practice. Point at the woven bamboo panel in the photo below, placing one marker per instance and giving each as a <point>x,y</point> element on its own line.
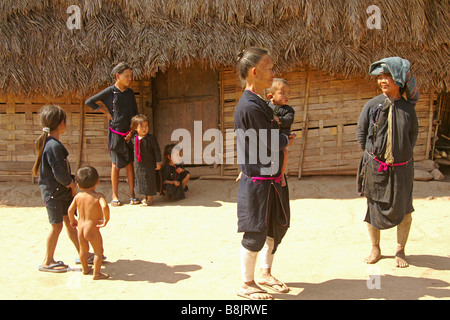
<point>20,127</point>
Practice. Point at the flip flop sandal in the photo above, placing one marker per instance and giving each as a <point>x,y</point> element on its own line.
<point>273,286</point>
<point>145,203</point>
<point>52,267</point>
<point>247,293</point>
<point>90,260</point>
<point>134,201</point>
<point>116,203</point>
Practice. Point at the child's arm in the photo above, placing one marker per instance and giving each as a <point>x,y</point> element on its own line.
<point>71,213</point>
<point>287,119</point>
<point>105,210</point>
<point>101,96</point>
<point>176,183</point>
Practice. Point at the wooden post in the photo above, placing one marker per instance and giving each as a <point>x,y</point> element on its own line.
<point>82,116</point>
<point>305,121</point>
<point>430,127</point>
<point>222,129</point>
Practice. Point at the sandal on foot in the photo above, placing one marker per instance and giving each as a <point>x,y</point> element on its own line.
<point>273,285</point>
<point>116,203</point>
<point>145,203</point>
<point>90,260</point>
<point>134,201</point>
<point>53,267</point>
<point>247,293</point>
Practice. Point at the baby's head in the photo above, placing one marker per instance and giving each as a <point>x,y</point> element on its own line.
<point>279,92</point>
<point>87,178</point>
<point>139,123</point>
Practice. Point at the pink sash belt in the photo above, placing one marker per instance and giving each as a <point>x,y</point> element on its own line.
<point>255,179</point>
<point>384,166</point>
<point>120,133</point>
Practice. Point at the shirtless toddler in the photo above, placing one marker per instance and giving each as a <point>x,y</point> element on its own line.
<point>93,213</point>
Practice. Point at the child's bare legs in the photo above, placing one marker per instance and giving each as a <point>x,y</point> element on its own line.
<point>84,252</point>
<point>283,168</point>
<point>92,234</point>
<point>130,178</point>
<point>115,182</point>
<point>72,233</point>
<point>52,240</point>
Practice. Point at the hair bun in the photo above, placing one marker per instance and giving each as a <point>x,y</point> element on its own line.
<point>240,55</point>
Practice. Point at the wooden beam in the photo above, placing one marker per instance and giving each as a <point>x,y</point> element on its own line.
<point>305,121</point>
<point>430,126</point>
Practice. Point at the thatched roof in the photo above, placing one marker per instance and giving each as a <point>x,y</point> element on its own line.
<point>39,54</point>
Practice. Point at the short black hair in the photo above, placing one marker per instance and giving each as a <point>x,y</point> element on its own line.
<point>86,177</point>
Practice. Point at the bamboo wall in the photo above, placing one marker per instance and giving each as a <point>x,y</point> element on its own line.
<point>327,109</point>
<point>85,139</point>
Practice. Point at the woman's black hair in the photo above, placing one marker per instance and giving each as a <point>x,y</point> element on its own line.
<point>120,68</point>
<point>248,59</point>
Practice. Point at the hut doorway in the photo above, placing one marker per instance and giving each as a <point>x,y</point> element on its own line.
<point>182,96</point>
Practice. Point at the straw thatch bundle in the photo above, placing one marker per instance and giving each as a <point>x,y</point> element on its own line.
<point>39,54</point>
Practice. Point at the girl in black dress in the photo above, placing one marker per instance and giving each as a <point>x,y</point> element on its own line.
<point>147,158</point>
<point>119,104</point>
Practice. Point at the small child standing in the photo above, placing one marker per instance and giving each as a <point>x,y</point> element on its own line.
<point>147,158</point>
<point>278,95</point>
<point>93,213</point>
<point>55,181</point>
<point>174,176</point>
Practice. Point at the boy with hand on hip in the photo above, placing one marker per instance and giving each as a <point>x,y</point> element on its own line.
<point>93,213</point>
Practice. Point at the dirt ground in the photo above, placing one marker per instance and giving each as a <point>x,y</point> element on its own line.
<point>189,250</point>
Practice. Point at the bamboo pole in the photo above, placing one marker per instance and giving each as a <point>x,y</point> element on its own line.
<point>82,116</point>
<point>305,121</point>
<point>430,126</point>
<point>437,126</point>
<point>221,106</point>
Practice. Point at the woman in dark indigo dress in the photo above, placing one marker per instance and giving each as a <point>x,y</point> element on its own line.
<point>119,106</point>
<point>263,205</point>
<point>387,132</point>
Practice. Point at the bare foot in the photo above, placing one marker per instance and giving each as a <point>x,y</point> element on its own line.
<point>400,258</point>
<point>100,276</point>
<point>88,270</point>
<point>253,292</point>
<point>375,255</point>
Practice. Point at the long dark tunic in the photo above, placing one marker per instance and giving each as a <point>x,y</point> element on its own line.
<point>149,154</point>
<point>260,201</point>
<point>388,192</point>
<point>122,106</point>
